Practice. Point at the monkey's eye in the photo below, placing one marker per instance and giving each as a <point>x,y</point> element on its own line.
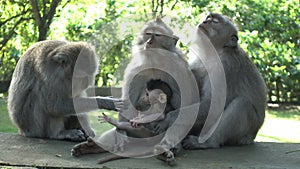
<point>149,34</point>
<point>157,34</point>
<point>215,20</point>
<point>147,94</point>
<point>234,38</point>
<point>208,18</point>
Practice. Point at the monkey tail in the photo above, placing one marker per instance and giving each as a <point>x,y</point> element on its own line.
<point>110,158</point>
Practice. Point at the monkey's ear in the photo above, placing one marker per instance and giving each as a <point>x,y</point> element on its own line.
<point>162,98</point>
<point>233,41</point>
<point>176,38</point>
<point>59,58</point>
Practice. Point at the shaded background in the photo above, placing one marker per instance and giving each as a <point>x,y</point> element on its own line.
<point>268,30</point>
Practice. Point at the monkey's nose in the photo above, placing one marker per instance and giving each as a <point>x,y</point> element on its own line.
<point>149,41</point>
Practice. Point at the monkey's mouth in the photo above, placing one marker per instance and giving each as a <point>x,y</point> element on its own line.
<point>202,29</point>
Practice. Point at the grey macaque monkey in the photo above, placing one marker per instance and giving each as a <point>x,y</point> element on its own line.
<point>47,84</point>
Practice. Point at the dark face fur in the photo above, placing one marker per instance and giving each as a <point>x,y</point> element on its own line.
<point>156,34</point>
<point>220,30</point>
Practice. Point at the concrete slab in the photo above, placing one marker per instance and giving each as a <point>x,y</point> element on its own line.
<point>29,152</point>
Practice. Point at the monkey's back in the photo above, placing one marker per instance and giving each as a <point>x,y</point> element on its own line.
<point>26,94</point>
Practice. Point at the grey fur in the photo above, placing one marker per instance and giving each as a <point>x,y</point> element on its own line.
<point>151,54</point>
<point>40,97</point>
<point>244,109</point>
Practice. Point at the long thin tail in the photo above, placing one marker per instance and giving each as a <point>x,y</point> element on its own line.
<point>110,158</point>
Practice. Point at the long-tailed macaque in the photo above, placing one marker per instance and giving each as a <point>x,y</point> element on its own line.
<point>48,90</point>
<point>244,109</point>
<point>154,56</point>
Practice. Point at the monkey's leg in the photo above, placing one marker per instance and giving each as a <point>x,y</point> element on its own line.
<point>56,130</point>
<point>87,147</point>
<point>235,126</point>
<point>85,123</point>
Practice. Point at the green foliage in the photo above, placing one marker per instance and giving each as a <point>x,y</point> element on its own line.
<point>13,18</point>
<point>5,123</point>
<point>268,30</point>
<point>270,35</point>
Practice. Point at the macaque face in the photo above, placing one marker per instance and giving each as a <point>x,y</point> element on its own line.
<point>220,30</point>
<point>157,35</point>
<point>155,96</point>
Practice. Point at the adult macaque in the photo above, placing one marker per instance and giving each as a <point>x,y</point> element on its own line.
<point>154,56</point>
<point>244,109</point>
<point>47,91</point>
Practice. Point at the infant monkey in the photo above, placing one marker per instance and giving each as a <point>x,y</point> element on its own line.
<point>158,95</point>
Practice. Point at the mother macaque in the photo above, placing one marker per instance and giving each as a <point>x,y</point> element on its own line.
<point>154,56</point>
<point>244,109</point>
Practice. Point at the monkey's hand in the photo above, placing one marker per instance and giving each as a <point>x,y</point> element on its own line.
<point>161,126</point>
<point>108,103</point>
<point>103,119</point>
<point>135,121</point>
<point>120,105</point>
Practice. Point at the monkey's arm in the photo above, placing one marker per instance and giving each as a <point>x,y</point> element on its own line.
<point>148,118</point>
<point>80,105</point>
<point>139,131</point>
<point>107,102</point>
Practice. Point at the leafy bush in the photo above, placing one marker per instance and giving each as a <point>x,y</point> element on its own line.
<point>269,32</point>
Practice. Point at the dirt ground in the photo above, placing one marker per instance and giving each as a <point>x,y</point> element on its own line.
<point>39,153</point>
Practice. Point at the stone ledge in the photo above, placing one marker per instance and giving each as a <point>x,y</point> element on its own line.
<point>30,152</point>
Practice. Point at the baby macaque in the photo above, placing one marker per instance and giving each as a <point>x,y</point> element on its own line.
<point>157,99</point>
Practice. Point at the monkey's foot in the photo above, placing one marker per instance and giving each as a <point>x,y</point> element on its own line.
<point>167,157</point>
<point>90,132</point>
<point>87,147</point>
<point>73,135</point>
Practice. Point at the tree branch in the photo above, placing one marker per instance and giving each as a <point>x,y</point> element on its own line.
<point>11,33</point>
<point>36,12</point>
<point>52,11</point>
<point>157,5</point>
<point>173,6</point>
<point>152,5</point>
<point>13,17</point>
<point>64,5</point>
<point>161,7</point>
<point>44,8</point>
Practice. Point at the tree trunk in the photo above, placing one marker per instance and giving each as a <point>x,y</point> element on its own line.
<point>43,21</point>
